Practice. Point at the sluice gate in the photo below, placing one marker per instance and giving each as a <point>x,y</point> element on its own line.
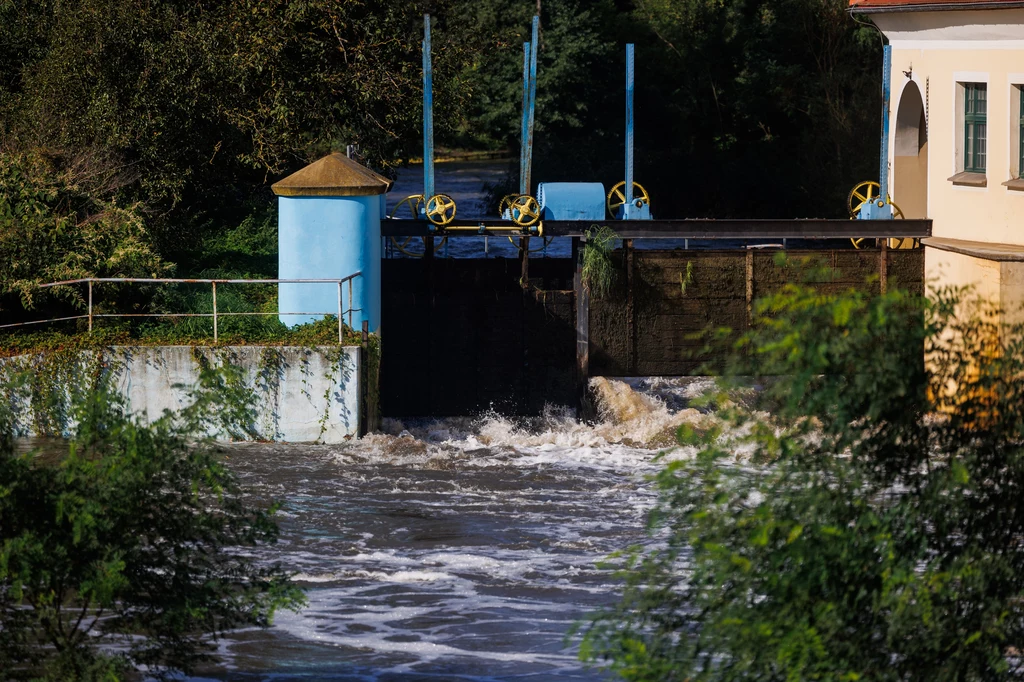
<point>461,336</point>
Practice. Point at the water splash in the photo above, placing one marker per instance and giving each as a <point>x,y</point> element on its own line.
<point>635,421</point>
<point>459,548</point>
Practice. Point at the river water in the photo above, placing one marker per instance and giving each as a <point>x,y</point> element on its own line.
<point>462,549</point>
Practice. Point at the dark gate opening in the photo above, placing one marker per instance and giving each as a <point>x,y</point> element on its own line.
<point>462,336</point>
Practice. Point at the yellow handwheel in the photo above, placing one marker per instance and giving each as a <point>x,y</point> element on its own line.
<point>440,209</point>
<point>904,243</point>
<point>617,196</point>
<point>505,204</point>
<point>861,194</point>
<point>525,210</point>
<point>863,242</point>
<point>413,202</point>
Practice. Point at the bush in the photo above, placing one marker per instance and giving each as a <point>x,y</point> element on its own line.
<point>55,225</point>
<point>881,539</point>
<point>124,546</point>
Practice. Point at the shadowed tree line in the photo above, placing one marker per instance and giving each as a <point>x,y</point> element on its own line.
<point>171,118</point>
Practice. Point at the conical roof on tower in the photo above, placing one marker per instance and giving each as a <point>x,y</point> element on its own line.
<point>335,175</point>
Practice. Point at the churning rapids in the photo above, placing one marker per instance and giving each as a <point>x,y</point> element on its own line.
<point>462,549</point>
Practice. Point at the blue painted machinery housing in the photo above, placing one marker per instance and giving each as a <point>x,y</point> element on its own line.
<point>571,200</point>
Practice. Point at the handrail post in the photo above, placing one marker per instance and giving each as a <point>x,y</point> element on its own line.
<point>341,315</point>
<point>214,285</point>
<point>90,306</point>
<point>350,303</point>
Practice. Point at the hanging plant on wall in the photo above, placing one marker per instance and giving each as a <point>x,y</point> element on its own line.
<point>598,272</point>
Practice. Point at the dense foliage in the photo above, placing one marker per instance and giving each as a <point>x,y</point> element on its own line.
<point>877,537</point>
<point>743,109</point>
<point>60,224</point>
<point>128,545</point>
<point>203,102</point>
<point>168,119</point>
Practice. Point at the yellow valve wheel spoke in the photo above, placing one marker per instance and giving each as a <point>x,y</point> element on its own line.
<point>861,195</point>
<point>506,204</point>
<point>901,242</point>
<point>440,209</point>
<point>905,243</point>
<point>617,196</point>
<point>413,202</point>
<point>524,210</point>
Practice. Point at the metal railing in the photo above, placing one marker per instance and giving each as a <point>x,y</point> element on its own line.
<point>90,315</point>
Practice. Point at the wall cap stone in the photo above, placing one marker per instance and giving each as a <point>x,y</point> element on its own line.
<point>985,250</point>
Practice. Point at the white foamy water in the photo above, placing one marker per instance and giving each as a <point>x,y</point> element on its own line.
<point>458,549</point>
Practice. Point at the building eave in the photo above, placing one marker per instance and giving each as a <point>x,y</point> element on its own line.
<point>934,7</point>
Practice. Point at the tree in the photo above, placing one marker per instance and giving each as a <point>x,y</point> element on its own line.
<point>62,222</point>
<point>771,109</point>
<point>203,103</point>
<point>128,547</point>
<point>880,539</point>
<point>762,109</point>
<point>579,112</point>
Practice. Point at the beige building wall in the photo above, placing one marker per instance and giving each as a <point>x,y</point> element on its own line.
<point>938,51</point>
<point>999,283</point>
<point>994,213</point>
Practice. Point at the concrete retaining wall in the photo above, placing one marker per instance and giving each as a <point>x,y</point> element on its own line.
<point>299,394</point>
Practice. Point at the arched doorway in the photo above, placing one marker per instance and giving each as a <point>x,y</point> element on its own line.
<point>910,155</point>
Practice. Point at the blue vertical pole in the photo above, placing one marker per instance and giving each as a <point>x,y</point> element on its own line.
<point>524,130</point>
<point>629,127</point>
<point>428,113</point>
<point>883,163</point>
<point>529,105</point>
<point>534,47</point>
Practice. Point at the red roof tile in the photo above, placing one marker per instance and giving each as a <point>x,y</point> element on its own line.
<point>923,5</point>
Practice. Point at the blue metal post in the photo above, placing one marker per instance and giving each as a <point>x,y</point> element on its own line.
<point>524,130</point>
<point>534,47</point>
<point>883,163</point>
<point>428,113</point>
<point>629,125</point>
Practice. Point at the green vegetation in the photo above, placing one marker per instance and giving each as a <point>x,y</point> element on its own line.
<point>141,137</point>
<point>195,105</point>
<point>598,272</point>
<point>879,537</point>
<point>320,333</point>
<point>125,546</point>
<point>744,109</point>
<point>56,225</point>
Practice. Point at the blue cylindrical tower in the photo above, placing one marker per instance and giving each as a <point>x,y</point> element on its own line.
<point>329,228</point>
